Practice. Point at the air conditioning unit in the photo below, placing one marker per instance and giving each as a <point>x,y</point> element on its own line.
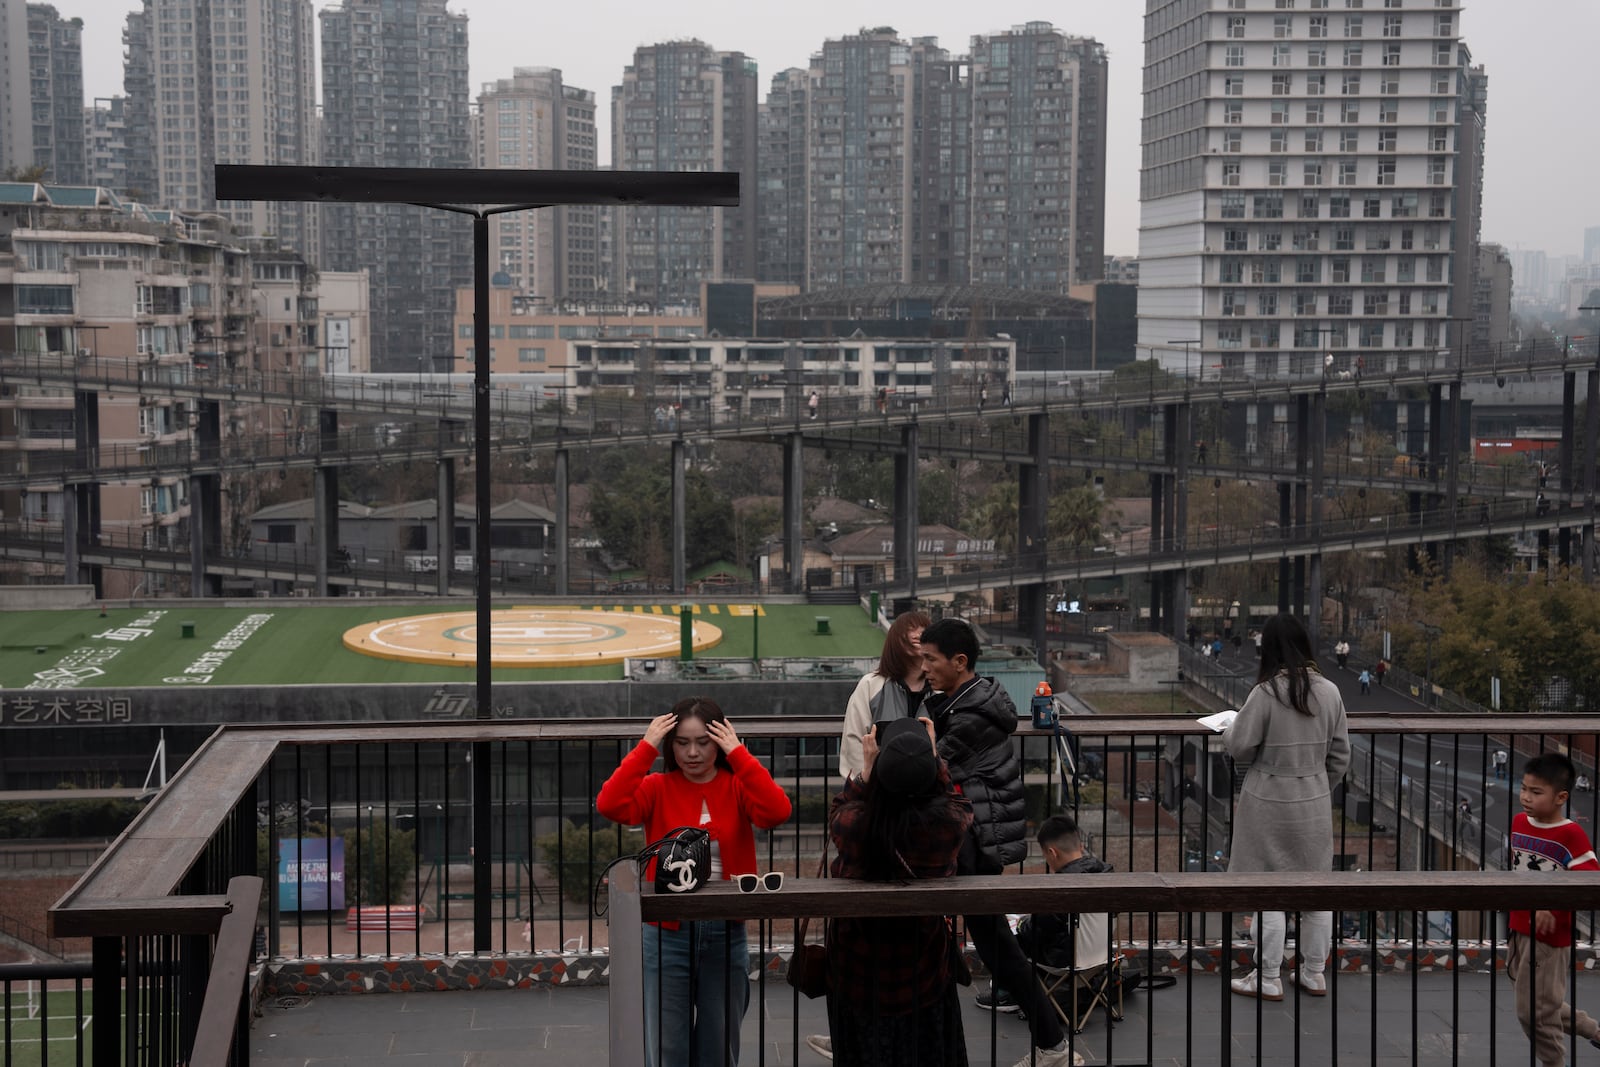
<point>84,353</point>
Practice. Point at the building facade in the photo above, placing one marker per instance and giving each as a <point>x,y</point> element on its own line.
<point>1491,299</point>
<point>1305,186</point>
<point>683,106</point>
<point>533,121</point>
<point>395,94</point>
<point>16,107</point>
<point>221,82</point>
<point>55,59</point>
<point>105,138</point>
<point>781,181</point>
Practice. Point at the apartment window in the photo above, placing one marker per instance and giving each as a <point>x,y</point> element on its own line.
<point>1231,141</point>
<point>1408,238</point>
<point>1279,140</point>
<point>1389,84</point>
<point>1405,269</point>
<point>1314,112</point>
<point>1391,55</point>
<point>1308,270</point>
<point>1232,270</point>
<point>1378,238</point>
<point>1233,205</point>
<point>1235,55</point>
<point>1229,335</point>
<point>1443,55</point>
<point>1340,303</point>
<point>1349,141</point>
<point>1339,205</point>
<point>1435,269</point>
<point>1430,238</point>
<point>1233,86</point>
<point>1233,303</point>
<point>1352,25</point>
<point>1387,139</point>
<point>1235,240</point>
<point>1282,84</point>
<point>1314,139</point>
<point>1430,334</point>
<point>1391,25</point>
<point>1265,270</point>
<point>1352,55</point>
<point>1268,205</point>
<point>1316,84</point>
<point>1271,239</point>
<point>46,299</point>
<point>1309,204</point>
<point>1305,303</point>
<point>1372,270</point>
<point>1233,112</point>
<point>1280,111</point>
<point>1319,26</point>
<point>1313,176</point>
<point>1350,111</point>
<point>1230,174</point>
<point>1264,334</point>
<point>1351,85</point>
<point>1284,4</point>
<point>1340,266</point>
<point>1436,170</point>
<point>1372,335</point>
<point>1267,303</point>
<point>1277,173</point>
<point>1439,139</point>
<point>1389,112</point>
<point>1307,238</point>
<point>1438,206</point>
<point>1403,206</point>
<point>1347,173</point>
<point>1386,172</point>
<point>1282,26</point>
<point>1403,335</point>
<point>1236,26</point>
<point>1344,238</point>
<point>1317,56</point>
<point>1443,26</point>
<point>1280,55</point>
<point>1441,84</point>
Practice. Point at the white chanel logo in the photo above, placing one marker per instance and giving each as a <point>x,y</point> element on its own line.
<point>683,870</point>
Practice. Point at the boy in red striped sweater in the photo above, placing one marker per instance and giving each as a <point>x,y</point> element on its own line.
<point>1539,948</point>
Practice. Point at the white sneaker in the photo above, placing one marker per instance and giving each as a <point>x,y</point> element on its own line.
<point>1252,985</point>
<point>1315,983</point>
<point>821,1044</point>
<point>1043,1057</point>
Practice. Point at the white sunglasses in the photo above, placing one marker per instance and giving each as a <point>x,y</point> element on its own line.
<point>772,881</point>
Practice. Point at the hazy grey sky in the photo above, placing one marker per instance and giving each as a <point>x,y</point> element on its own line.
<point>1542,157</point>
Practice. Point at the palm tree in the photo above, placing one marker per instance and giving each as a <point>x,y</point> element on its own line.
<point>995,517</point>
<point>1075,516</point>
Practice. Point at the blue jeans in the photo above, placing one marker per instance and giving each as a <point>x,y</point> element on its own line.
<point>696,989</point>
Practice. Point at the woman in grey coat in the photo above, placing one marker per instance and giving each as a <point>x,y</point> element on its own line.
<point>1291,744</point>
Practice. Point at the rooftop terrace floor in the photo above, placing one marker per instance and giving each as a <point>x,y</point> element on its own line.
<point>1451,1018</point>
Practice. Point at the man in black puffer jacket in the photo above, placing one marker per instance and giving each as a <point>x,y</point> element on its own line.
<point>973,720</point>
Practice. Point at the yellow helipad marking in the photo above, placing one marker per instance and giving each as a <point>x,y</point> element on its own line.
<point>527,637</point>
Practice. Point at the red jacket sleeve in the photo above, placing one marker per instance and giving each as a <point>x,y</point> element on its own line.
<point>627,797</point>
<point>763,800</point>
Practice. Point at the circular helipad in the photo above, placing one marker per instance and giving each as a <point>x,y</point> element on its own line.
<point>527,637</point>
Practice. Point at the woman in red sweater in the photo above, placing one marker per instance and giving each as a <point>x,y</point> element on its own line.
<point>696,982</point>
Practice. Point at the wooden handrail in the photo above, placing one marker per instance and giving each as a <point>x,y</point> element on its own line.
<point>833,898</point>
<point>230,965</point>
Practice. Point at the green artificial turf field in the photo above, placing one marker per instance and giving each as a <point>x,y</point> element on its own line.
<point>37,1041</point>
<point>301,644</point>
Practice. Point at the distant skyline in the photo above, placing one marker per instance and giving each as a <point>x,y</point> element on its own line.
<point>1540,160</point>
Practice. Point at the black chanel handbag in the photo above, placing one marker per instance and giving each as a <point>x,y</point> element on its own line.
<point>683,859</point>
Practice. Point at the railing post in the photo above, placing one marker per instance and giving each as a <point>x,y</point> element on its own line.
<point>625,994</point>
<point>105,999</point>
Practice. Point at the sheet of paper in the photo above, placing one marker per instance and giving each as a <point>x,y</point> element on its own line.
<point>1218,722</point>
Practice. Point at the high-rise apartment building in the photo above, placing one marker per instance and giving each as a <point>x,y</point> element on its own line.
<point>1038,159</point>
<point>533,121</point>
<point>16,111</point>
<point>1310,172</point>
<point>891,161</point>
<point>105,137</point>
<point>55,60</point>
<point>683,106</point>
<point>395,94</point>
<point>221,81</point>
<point>781,182</point>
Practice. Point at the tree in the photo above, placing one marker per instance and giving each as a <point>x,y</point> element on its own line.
<point>995,516</point>
<point>630,505</point>
<point>1075,516</point>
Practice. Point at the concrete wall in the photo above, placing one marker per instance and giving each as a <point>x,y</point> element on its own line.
<point>44,597</point>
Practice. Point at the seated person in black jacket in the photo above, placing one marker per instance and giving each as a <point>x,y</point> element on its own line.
<point>1053,940</point>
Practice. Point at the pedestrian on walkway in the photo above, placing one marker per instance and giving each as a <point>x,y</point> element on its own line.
<point>1341,652</point>
<point>1502,763</point>
<point>1005,393</point>
<point>812,403</point>
<point>1216,647</point>
<point>1366,682</point>
<point>1380,670</point>
<point>983,395</point>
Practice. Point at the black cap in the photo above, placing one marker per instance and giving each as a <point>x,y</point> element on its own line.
<point>907,764</point>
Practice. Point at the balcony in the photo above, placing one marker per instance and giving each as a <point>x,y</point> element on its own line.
<point>500,857</point>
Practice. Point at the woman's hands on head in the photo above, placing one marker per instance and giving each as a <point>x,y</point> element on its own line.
<point>660,727</point>
<point>723,734</point>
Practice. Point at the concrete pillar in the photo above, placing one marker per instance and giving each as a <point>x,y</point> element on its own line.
<point>1033,533</point>
<point>560,533</point>
<point>1178,450</point>
<point>1452,469</point>
<point>321,548</point>
<point>198,534</point>
<point>794,487</point>
<point>444,520</point>
<point>69,535</point>
<point>1591,438</point>
<point>1569,408</point>
<point>680,515</point>
<point>906,502</point>
<point>1285,521</point>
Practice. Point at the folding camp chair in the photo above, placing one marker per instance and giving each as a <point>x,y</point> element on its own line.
<point>1095,977</point>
